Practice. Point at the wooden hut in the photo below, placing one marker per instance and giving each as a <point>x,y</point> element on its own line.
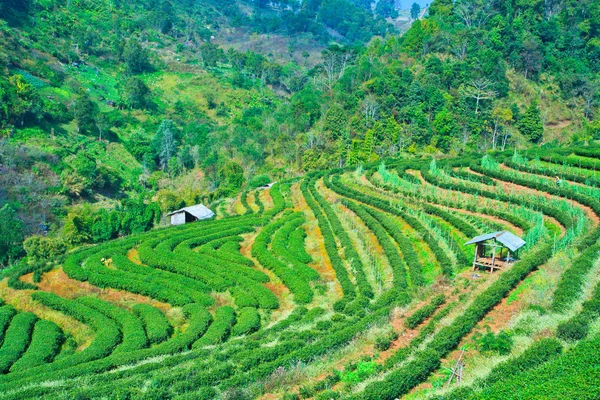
<point>496,250</point>
<point>190,214</point>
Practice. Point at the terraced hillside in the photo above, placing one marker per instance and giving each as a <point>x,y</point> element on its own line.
<point>343,284</point>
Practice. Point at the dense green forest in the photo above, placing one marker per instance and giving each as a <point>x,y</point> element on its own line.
<point>114,112</point>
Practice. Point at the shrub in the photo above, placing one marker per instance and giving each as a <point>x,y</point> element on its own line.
<point>219,330</point>
<point>16,340</point>
<point>248,321</point>
<point>46,341</point>
<point>156,325</point>
<point>500,343</point>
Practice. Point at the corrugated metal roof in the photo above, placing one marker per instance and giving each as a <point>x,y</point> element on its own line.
<point>199,211</point>
<point>511,241</point>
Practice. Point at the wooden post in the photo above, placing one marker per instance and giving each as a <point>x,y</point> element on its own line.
<point>457,370</point>
<point>476,254</point>
<point>493,255</point>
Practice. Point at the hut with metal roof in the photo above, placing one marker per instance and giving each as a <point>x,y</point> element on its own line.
<point>496,250</point>
<point>190,214</point>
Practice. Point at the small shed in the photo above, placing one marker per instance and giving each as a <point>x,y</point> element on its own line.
<point>190,214</point>
<point>496,250</point>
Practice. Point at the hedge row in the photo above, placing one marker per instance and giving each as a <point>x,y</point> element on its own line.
<point>458,223</point>
<point>248,321</point>
<point>6,315</point>
<point>107,334</point>
<point>317,346</point>
<point>425,312</point>
<point>46,341</point>
<point>218,332</point>
<point>299,287</point>
<point>577,327</point>
<point>573,278</point>
<point>395,261</point>
<point>402,354</point>
<point>350,254</point>
<point>437,250</point>
<point>278,201</point>
<point>282,247</point>
<point>572,375</point>
<point>76,365</point>
<point>16,340</point>
<point>560,216</point>
<point>296,246</point>
<point>590,201</point>
<point>547,172</point>
<point>191,288</point>
<point>538,353</point>
<point>132,330</point>
<point>166,261</point>
<point>244,282</point>
<point>572,161</point>
<point>471,177</point>
<point>98,275</point>
<point>156,325</point>
<point>512,219</point>
<point>259,204</point>
<point>329,240</point>
<point>410,256</point>
<point>591,153</point>
<point>227,249</point>
<point>402,380</point>
<point>244,201</point>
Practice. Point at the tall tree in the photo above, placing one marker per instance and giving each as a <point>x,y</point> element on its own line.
<point>530,124</point>
<point>415,11</point>
<point>85,112</point>
<point>12,233</point>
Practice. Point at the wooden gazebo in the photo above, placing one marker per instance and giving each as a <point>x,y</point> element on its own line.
<point>496,250</point>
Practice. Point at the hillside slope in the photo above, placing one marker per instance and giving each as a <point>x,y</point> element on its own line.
<point>114,113</point>
<point>346,283</point>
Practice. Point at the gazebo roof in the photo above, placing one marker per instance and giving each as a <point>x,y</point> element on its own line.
<point>511,241</point>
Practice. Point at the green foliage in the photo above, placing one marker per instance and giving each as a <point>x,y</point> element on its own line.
<point>500,343</point>
<point>259,180</point>
<point>40,248</point>
<point>248,321</point>
<point>425,312</point>
<point>12,231</point>
<point>530,124</point>
<point>155,324</point>
<point>46,342</point>
<point>16,340</point>
<point>135,57</point>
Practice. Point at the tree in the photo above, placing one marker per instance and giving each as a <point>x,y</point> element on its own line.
<point>370,107</point>
<point>415,11</point>
<point>531,57</point>
<point>40,248</point>
<point>136,58</point>
<point>441,7</point>
<point>12,233</point>
<point>164,143</point>
<point>85,112</point>
<point>445,129</point>
<point>386,8</point>
<point>336,120</point>
<point>136,93</point>
<point>500,117</point>
<point>479,89</point>
<point>530,124</point>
